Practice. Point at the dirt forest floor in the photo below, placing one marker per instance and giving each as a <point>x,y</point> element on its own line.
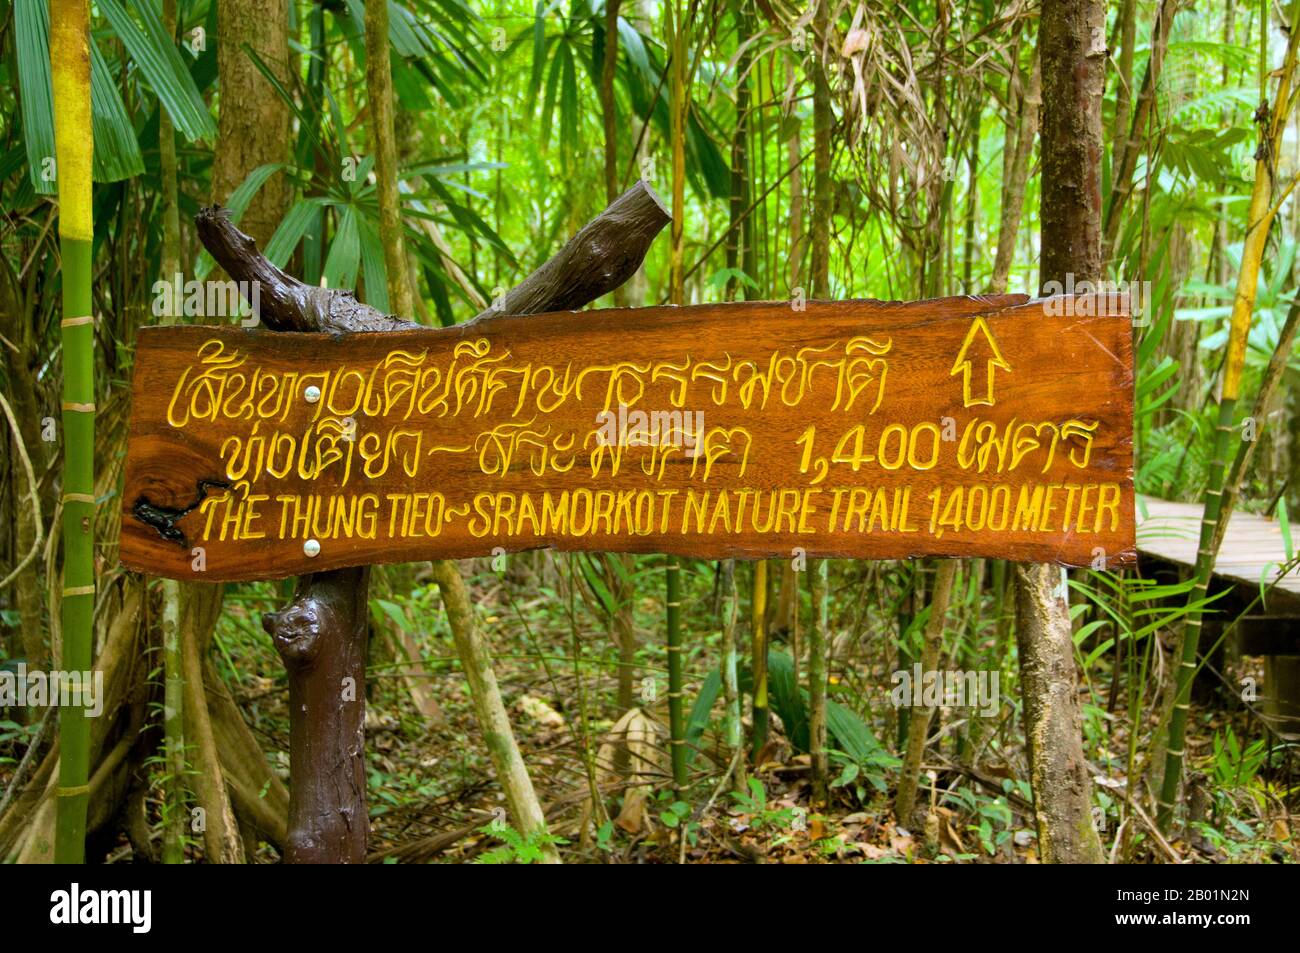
<point>433,797</point>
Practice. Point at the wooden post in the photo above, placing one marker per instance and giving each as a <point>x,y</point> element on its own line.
<point>321,635</point>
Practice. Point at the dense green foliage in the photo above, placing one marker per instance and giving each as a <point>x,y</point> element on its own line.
<point>502,155</point>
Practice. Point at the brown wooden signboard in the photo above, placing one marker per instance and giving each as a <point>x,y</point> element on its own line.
<point>960,427</point>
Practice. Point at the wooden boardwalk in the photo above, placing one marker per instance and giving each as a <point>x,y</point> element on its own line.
<point>1252,550</point>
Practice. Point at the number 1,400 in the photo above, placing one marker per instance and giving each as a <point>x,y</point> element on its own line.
<point>916,446</point>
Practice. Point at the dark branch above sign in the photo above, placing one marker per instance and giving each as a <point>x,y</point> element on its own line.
<point>960,427</point>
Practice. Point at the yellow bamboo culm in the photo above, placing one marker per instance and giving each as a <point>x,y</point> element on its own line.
<point>74,149</point>
<point>1259,218</point>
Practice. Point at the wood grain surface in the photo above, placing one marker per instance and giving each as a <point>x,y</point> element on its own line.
<point>970,426</point>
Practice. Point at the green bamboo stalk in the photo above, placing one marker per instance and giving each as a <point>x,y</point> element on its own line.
<point>823,210</point>
<point>1205,553</point>
<point>679,43</point>
<point>173,851</point>
<point>173,844</point>
<point>758,602</point>
<point>1259,218</point>
<point>730,676</point>
<point>817,639</point>
<point>676,713</point>
<point>70,71</point>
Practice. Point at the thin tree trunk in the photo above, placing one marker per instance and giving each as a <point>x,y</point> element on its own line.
<point>758,663</point>
<point>1124,81</point>
<point>618,569</point>
<point>173,847</point>
<point>919,727</point>
<point>1127,158</point>
<point>730,680</point>
<point>738,249</point>
<point>253,125</point>
<point>823,201</point>
<point>221,840</point>
<point>1015,174</point>
<point>818,637</point>
<point>1072,47</point>
<point>415,674</point>
<point>379,97</point>
<point>622,574</point>
<point>70,69</point>
<point>476,660</point>
<point>972,198</point>
<point>822,195</point>
<point>679,35</point>
<point>793,146</point>
<point>608,111</point>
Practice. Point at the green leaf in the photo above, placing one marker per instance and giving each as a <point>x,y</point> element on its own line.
<point>1284,523</point>
<point>394,612</point>
<point>239,199</point>
<point>592,575</point>
<point>706,157</point>
<point>722,276</point>
<point>539,53</point>
<point>117,150</point>
<point>848,775</point>
<point>548,104</point>
<point>159,59</point>
<point>569,104</point>
<point>345,252</point>
<point>698,719</point>
<point>372,266</point>
<point>291,230</point>
<point>32,43</point>
<point>851,733</point>
<point>787,700</point>
<point>630,40</point>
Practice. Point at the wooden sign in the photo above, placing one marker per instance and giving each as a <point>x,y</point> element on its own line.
<point>960,427</point>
